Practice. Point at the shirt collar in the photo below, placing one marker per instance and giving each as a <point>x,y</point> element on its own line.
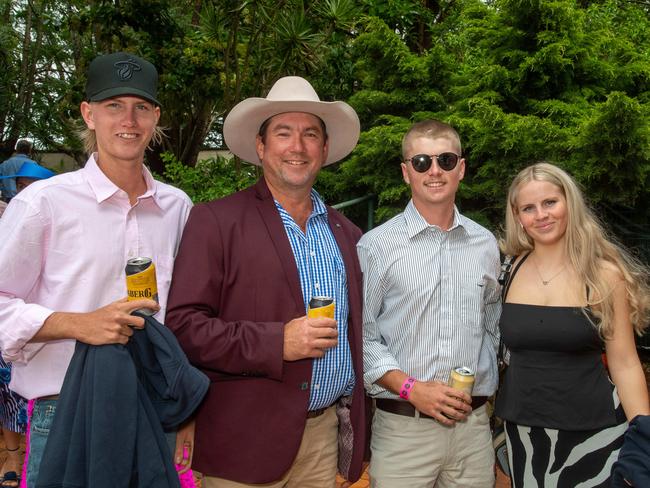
<point>415,223</point>
<point>318,206</point>
<point>105,188</point>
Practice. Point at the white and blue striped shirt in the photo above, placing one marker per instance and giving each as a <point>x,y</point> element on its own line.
<point>431,301</point>
<point>322,273</point>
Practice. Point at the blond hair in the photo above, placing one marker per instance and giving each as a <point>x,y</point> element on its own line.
<point>431,129</point>
<point>587,245</point>
<point>89,138</point>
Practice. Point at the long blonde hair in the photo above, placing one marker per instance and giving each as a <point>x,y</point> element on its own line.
<point>587,245</point>
<point>89,138</point>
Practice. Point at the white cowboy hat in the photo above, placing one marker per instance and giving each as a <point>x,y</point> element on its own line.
<point>290,94</point>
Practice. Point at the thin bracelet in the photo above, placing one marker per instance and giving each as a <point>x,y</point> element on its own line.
<point>407,386</point>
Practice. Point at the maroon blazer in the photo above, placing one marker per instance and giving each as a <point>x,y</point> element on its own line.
<point>235,285</point>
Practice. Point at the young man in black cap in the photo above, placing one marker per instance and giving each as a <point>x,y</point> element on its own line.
<point>67,240</point>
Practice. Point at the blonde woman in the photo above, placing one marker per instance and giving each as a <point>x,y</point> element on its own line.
<point>572,295</point>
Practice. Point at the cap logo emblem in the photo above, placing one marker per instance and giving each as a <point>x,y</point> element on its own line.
<point>126,68</point>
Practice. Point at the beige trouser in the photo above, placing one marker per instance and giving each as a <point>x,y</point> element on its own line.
<point>315,464</point>
<point>421,453</point>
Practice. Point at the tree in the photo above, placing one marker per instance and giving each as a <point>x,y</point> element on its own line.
<point>210,54</point>
<point>33,73</point>
<point>521,81</point>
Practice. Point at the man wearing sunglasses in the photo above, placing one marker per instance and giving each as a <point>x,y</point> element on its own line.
<point>431,305</point>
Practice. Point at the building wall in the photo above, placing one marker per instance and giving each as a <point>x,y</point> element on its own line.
<point>61,162</point>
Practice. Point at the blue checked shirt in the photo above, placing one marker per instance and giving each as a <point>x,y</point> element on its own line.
<point>322,273</point>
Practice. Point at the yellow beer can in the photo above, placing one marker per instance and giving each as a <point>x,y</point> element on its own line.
<point>321,307</point>
<point>141,281</point>
<point>462,379</point>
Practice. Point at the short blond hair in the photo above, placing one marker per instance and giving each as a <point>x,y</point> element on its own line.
<point>431,129</point>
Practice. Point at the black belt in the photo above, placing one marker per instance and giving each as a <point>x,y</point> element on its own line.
<point>48,397</point>
<point>316,413</point>
<point>400,407</point>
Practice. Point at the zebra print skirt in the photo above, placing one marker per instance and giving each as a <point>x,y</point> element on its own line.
<point>549,458</point>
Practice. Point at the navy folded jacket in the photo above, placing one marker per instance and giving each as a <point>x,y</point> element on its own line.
<point>633,462</point>
<point>114,404</point>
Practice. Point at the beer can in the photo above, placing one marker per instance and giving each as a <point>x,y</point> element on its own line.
<point>141,281</point>
<point>462,379</point>
<point>321,307</point>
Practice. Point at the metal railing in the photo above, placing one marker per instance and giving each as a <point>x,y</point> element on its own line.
<point>370,199</point>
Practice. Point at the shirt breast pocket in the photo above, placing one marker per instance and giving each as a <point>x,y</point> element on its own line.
<point>471,303</point>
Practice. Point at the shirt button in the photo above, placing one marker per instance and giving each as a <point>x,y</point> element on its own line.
<point>312,253</point>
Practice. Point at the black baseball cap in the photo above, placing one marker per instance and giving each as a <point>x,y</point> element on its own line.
<point>112,75</point>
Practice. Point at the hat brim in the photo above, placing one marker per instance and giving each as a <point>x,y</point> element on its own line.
<point>32,172</point>
<point>117,91</point>
<point>243,124</point>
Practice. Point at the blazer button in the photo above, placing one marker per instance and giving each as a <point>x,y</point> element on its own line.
<point>304,386</point>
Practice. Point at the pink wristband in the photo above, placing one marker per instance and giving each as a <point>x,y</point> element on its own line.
<point>407,386</point>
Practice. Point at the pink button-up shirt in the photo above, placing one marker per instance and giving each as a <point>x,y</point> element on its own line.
<point>64,243</point>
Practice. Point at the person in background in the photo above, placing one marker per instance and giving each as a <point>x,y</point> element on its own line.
<point>12,165</point>
<point>28,173</point>
<point>286,404</point>
<point>13,415</point>
<point>66,240</point>
<point>431,304</point>
<point>572,293</point>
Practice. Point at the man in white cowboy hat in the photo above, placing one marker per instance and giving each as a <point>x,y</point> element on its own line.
<point>66,240</point>
<point>286,403</point>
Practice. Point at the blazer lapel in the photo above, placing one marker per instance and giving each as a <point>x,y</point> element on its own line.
<point>278,236</point>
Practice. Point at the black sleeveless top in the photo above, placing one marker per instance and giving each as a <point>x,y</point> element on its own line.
<point>556,378</point>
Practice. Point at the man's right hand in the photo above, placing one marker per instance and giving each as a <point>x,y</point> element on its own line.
<point>309,337</point>
<point>111,324</point>
<point>444,403</point>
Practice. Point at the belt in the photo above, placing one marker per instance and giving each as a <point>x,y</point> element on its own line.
<point>48,397</point>
<point>405,408</point>
<point>312,414</point>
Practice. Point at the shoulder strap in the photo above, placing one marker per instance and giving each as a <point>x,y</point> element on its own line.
<point>508,273</point>
<point>505,278</point>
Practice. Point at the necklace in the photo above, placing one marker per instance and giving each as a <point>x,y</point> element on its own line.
<point>546,282</point>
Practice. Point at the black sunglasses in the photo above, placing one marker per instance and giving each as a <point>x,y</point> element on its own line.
<point>422,162</point>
